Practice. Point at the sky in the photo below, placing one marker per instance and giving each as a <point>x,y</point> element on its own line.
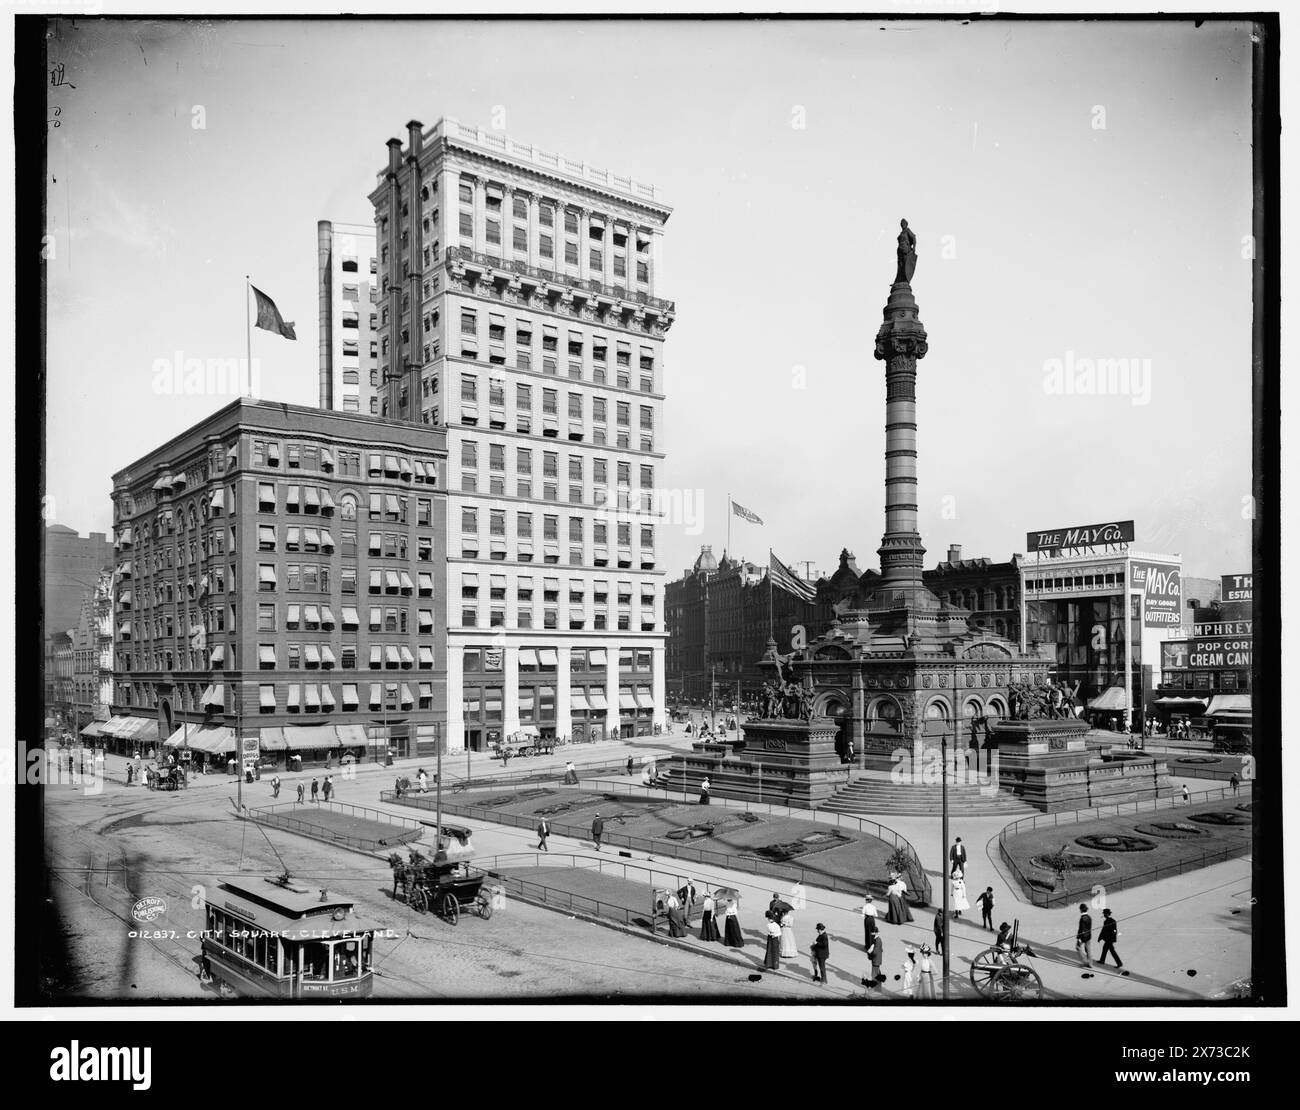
<point>1079,191</point>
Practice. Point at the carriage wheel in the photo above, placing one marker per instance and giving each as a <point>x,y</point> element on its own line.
<point>419,899</point>
<point>1017,983</point>
<point>983,970</point>
<point>484,906</point>
<point>451,908</point>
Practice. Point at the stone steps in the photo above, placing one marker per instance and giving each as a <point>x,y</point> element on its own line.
<point>878,795</point>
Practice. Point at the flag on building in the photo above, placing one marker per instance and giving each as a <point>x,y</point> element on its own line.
<point>784,577</point>
<point>744,513</point>
<point>268,316</point>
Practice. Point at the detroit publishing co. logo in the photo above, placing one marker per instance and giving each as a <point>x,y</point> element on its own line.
<point>148,910</point>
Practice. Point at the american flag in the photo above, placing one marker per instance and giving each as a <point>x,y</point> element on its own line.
<point>784,577</point>
<point>745,514</point>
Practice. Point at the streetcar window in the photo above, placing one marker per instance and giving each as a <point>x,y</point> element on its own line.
<point>315,961</point>
<point>365,952</point>
<point>260,950</point>
<point>345,959</point>
<point>219,928</point>
<point>273,955</point>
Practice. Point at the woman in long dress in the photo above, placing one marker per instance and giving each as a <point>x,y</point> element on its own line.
<point>788,946</point>
<point>772,958</point>
<point>959,901</point>
<point>909,972</point>
<point>708,926</point>
<point>898,910</point>
<point>676,919</point>
<point>925,974</point>
<point>732,936</point>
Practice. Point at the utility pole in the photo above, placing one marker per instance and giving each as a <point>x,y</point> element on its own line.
<point>713,698</point>
<point>943,742</point>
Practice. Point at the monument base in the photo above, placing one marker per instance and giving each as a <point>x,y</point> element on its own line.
<point>1047,764</point>
<point>791,763</point>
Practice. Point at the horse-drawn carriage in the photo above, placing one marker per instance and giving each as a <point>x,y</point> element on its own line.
<point>445,884</point>
<point>999,973</point>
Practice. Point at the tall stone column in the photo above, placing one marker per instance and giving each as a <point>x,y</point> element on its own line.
<point>900,343</point>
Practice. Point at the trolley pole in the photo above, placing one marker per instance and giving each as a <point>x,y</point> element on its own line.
<point>438,802</point>
<point>943,747</point>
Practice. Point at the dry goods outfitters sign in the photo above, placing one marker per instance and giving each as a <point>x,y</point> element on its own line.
<point>1084,535</point>
<point>1162,590</point>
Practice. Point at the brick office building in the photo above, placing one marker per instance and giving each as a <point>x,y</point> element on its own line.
<point>279,573</point>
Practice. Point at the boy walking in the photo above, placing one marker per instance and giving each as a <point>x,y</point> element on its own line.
<point>986,907</point>
<point>1083,937</point>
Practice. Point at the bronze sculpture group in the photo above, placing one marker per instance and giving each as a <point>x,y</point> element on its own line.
<point>1050,701</point>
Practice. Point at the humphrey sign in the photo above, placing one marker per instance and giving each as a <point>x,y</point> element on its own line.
<point>1162,593</point>
<point>1087,535</point>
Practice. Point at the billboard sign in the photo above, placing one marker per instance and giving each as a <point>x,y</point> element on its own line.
<point>1218,653</point>
<point>1238,587</point>
<point>1173,655</point>
<point>1162,593</point>
<point>1086,535</point>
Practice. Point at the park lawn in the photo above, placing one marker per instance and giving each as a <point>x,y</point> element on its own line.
<point>1130,867</point>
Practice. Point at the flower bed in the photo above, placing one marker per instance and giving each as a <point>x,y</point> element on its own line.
<point>1115,842</point>
<point>1172,830</point>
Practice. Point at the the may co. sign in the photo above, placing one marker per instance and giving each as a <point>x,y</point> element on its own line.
<point>1085,535</point>
<point>1162,590</point>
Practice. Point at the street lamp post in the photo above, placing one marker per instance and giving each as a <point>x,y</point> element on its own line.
<point>943,749</point>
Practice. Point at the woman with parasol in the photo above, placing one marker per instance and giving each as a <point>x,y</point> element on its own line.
<point>676,919</point>
<point>772,958</point>
<point>788,946</point>
<point>728,900</point>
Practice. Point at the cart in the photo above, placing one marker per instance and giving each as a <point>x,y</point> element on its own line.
<point>445,886</point>
<point>1000,975</point>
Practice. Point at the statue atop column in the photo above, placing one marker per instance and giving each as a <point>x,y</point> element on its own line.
<point>906,253</point>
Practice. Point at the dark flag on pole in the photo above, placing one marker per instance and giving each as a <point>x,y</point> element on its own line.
<point>268,316</point>
<point>744,514</point>
<point>784,577</point>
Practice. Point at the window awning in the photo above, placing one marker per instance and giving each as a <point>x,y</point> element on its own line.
<point>376,581</point>
<point>311,497</point>
<point>266,697</point>
<point>390,463</point>
<point>124,597</point>
<point>124,535</point>
<point>548,657</point>
<point>217,502</point>
<point>597,657</point>
<point>326,697</point>
<point>391,580</point>
<point>419,469</point>
<point>426,656</point>
<point>528,657</point>
<point>527,697</point>
<point>312,614</point>
<point>311,655</point>
<point>327,656</point>
<point>124,629</point>
<point>326,616</point>
<point>266,534</point>
<point>326,459</point>
<point>425,580</point>
<point>645,699</point>
<point>376,656</point>
<point>295,696</point>
<point>326,501</point>
<point>350,617</point>
<point>266,654</point>
<point>124,571</point>
<point>390,504</point>
<point>426,620</point>
<point>392,655</point>
<point>179,480</point>
<point>497,545</point>
<point>408,660</point>
<point>597,699</point>
<point>469,581</point>
<point>376,695</point>
<point>209,739</point>
<point>404,466</point>
<point>218,655</point>
<point>350,698</point>
<point>311,536</point>
<point>626,701</point>
<point>326,540</point>
<point>311,738</point>
<point>578,700</point>
<point>214,697</point>
<point>163,483</point>
<point>311,693</point>
<point>266,574</point>
<point>131,728</point>
<point>407,699</point>
<point>407,584</point>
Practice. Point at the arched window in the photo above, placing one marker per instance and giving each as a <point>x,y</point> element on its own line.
<point>348,506</point>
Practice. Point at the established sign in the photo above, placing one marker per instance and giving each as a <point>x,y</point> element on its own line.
<point>1238,587</point>
<point>1162,588</point>
<point>1086,535</point>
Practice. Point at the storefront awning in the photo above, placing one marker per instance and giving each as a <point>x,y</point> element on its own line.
<point>1111,699</point>
<point>210,739</point>
<point>92,730</point>
<point>1229,703</point>
<point>311,738</point>
<point>131,728</point>
<point>1171,702</point>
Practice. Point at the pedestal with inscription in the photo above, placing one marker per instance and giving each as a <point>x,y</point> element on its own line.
<point>787,762</point>
<point>1046,764</point>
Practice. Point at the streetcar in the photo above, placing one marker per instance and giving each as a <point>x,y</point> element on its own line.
<point>278,938</point>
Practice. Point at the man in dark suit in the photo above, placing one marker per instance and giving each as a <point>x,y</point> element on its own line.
<point>1108,935</point>
<point>1083,937</point>
<point>543,831</point>
<point>597,829</point>
<point>986,907</point>
<point>957,856</point>
<point>821,952</point>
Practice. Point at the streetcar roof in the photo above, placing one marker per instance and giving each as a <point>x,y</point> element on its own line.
<point>293,909</point>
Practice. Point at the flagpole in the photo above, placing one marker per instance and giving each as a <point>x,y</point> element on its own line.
<point>248,334</point>
<point>730,510</point>
<point>771,626</point>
